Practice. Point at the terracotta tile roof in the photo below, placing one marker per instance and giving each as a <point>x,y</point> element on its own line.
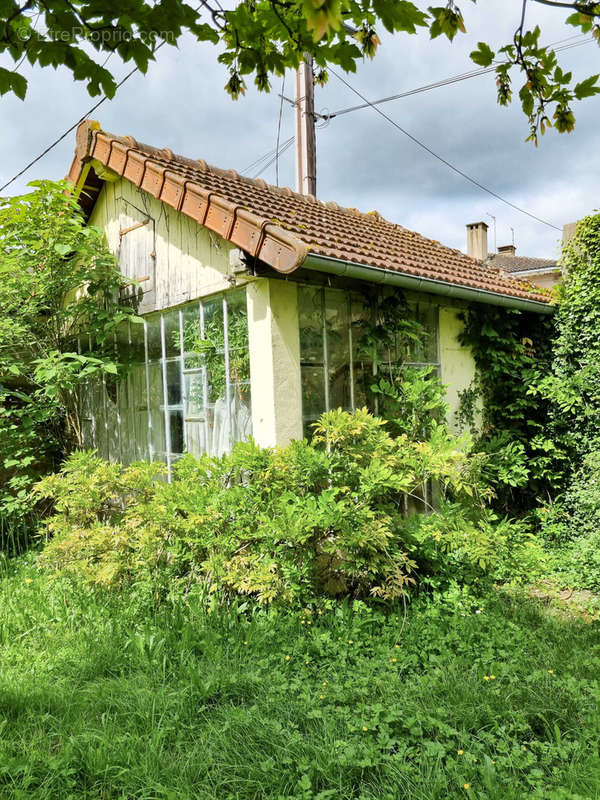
<point>521,263</point>
<point>281,227</point>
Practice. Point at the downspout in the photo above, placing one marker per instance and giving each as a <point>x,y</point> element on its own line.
<point>389,277</point>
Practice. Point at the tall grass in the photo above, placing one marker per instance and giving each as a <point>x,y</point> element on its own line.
<point>16,534</point>
<point>107,697</point>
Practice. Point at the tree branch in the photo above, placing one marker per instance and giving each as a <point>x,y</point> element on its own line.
<point>582,8</point>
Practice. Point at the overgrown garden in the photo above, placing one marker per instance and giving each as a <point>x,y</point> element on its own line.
<point>353,616</point>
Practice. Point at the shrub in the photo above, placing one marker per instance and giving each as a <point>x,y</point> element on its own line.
<point>333,517</point>
<point>57,280</point>
<point>572,526</point>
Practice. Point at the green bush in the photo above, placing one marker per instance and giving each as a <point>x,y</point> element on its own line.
<point>336,517</point>
<point>572,526</point>
<point>57,281</point>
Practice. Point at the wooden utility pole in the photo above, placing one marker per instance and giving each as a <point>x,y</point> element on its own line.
<point>306,146</point>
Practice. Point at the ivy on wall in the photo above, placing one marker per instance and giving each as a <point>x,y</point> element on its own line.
<point>512,349</point>
<point>573,384</point>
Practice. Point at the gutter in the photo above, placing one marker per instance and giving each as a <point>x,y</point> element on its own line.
<point>349,269</point>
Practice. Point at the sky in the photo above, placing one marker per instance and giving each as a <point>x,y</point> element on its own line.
<point>362,161</point>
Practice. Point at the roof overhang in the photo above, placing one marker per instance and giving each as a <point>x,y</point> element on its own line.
<point>524,273</point>
<point>390,277</point>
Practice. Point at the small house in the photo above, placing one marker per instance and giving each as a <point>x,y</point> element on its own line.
<point>253,299</point>
<point>542,272</point>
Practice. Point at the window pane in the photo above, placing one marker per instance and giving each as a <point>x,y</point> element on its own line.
<point>127,436</point>
<point>362,351</point>
<point>192,336</point>
<point>99,418</point>
<point>239,366</point>
<point>338,348</point>
<point>157,418</point>
<point>310,315</point>
<point>194,396</point>
<point>426,351</point>
<point>173,383</point>
<point>154,341</point>
<point>214,342</point>
<point>112,418</point>
<point>138,353</point>
<point>172,339</point>
<point>176,431</point>
<point>313,393</point>
<point>137,385</point>
<point>122,346</point>
<point>237,334</point>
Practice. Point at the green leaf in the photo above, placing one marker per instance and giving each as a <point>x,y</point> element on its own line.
<point>12,82</point>
<point>484,55</point>
<point>587,88</point>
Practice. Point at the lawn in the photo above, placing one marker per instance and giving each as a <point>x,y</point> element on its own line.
<point>103,697</point>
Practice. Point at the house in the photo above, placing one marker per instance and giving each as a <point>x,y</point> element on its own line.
<point>543,272</point>
<point>253,299</point>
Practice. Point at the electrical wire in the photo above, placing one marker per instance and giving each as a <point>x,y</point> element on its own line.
<point>270,155</point>
<point>285,146</point>
<point>445,81</point>
<point>441,159</point>
<point>75,124</point>
<point>560,45</point>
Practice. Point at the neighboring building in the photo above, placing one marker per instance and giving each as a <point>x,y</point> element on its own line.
<point>253,299</point>
<point>543,272</point>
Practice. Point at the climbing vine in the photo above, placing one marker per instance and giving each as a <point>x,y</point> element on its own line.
<point>512,350</point>
<point>402,388</point>
<point>572,386</point>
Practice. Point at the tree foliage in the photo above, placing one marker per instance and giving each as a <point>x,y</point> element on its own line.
<point>57,281</point>
<point>573,384</point>
<point>262,38</point>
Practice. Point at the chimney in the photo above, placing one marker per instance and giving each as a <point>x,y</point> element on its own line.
<point>507,250</point>
<point>477,246</point>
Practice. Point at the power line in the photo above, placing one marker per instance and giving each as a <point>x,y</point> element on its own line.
<point>74,126</point>
<point>270,156</point>
<point>440,158</point>
<point>285,146</point>
<point>444,81</point>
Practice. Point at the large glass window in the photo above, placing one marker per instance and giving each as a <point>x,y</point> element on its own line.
<point>187,387</point>
<point>337,357</point>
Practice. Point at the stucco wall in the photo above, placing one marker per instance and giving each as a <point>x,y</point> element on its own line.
<point>456,361</point>
<point>274,339</point>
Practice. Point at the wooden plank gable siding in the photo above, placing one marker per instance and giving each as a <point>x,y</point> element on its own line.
<point>175,258</point>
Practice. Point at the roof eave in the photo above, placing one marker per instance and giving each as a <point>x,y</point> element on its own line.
<point>255,235</point>
<point>523,273</point>
<point>391,277</point>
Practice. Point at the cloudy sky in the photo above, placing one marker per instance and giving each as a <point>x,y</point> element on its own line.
<point>362,160</point>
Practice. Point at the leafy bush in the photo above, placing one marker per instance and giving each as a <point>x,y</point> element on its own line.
<point>572,385</point>
<point>572,526</point>
<point>334,517</point>
<point>57,279</point>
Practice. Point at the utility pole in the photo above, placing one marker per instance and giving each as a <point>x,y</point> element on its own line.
<point>306,146</point>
